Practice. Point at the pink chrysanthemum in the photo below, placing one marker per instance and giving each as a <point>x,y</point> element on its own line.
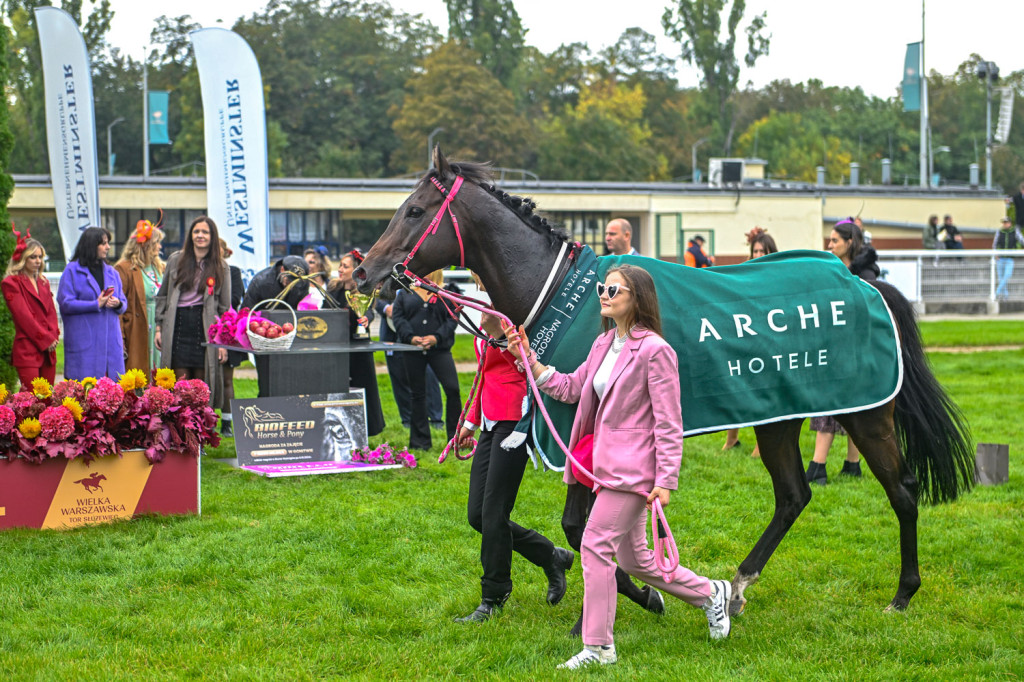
<point>7,420</point>
<point>192,392</point>
<point>106,397</point>
<point>157,400</point>
<point>24,403</point>
<point>57,423</point>
<point>69,388</point>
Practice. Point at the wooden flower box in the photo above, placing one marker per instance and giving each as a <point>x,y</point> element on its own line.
<point>62,493</point>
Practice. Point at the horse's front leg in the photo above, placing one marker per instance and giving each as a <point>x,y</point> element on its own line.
<point>780,452</point>
<point>874,435</point>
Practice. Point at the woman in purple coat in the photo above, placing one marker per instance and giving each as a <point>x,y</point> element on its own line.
<point>91,301</point>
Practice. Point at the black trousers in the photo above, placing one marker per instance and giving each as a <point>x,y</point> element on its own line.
<point>493,486</point>
<point>400,389</point>
<point>416,371</point>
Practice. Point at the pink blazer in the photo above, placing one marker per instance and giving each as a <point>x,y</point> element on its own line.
<point>638,426</point>
<point>502,388</point>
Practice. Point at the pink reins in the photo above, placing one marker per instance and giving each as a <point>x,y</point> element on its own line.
<point>449,195</point>
<point>666,553</point>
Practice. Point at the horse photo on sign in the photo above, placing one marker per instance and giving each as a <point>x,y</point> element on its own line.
<point>766,343</point>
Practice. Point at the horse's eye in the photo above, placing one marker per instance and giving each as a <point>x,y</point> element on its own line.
<point>414,212</point>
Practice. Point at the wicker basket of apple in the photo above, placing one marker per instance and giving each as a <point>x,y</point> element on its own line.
<point>266,335</point>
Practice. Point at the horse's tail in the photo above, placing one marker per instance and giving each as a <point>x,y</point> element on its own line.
<point>932,431</point>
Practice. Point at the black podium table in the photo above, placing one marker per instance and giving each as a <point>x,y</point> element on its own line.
<point>310,368</point>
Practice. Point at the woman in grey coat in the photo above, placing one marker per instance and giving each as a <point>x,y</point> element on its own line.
<point>196,290</point>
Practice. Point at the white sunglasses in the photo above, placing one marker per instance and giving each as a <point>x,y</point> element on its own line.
<point>611,289</point>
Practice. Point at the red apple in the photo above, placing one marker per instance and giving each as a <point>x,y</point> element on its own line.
<point>254,325</point>
<point>288,327</point>
<point>273,333</point>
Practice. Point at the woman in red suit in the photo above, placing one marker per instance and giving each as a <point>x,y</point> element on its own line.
<point>494,483</point>
<point>28,296</point>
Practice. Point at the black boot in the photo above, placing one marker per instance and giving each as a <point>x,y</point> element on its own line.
<point>484,611</point>
<point>816,473</point>
<point>851,469</point>
<point>225,428</point>
<point>561,561</point>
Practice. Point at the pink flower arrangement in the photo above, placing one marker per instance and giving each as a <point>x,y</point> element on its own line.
<point>106,396</point>
<point>108,421</point>
<point>57,423</point>
<point>383,454</point>
<point>230,328</point>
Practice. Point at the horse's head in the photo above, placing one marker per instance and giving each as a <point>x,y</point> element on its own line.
<point>439,249</point>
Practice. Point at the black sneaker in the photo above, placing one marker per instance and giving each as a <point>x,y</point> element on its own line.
<point>225,429</point>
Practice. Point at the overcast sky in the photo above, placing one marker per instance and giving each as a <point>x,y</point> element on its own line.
<point>839,42</point>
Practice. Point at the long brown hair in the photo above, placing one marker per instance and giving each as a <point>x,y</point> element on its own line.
<point>645,311</point>
<point>188,266</point>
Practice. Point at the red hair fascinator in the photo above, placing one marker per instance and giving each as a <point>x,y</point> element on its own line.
<point>19,248</point>
<point>357,256</point>
<point>753,234</point>
<point>144,228</point>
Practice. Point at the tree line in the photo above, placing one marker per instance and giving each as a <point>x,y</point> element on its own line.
<point>355,88</point>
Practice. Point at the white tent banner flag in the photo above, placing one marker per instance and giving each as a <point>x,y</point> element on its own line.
<point>70,125</point>
<point>235,129</point>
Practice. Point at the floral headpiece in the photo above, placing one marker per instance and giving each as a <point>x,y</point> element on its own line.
<point>357,256</point>
<point>21,245</point>
<point>754,234</point>
<point>144,228</point>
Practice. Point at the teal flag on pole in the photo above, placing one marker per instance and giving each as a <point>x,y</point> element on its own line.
<point>158,100</point>
<point>912,78</point>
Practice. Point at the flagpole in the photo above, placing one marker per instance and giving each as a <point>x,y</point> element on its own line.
<point>925,141</point>
<point>145,115</point>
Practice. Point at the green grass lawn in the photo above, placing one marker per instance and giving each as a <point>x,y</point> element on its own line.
<point>359,576</point>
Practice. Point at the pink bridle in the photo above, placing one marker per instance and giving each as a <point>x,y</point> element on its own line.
<point>446,207</point>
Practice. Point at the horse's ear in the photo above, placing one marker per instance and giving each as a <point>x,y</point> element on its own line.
<point>444,171</point>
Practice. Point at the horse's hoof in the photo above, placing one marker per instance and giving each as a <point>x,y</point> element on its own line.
<point>896,606</point>
<point>736,606</point>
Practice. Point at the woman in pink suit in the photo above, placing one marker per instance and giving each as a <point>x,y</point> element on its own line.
<point>494,483</point>
<point>628,395</point>
<point>28,296</point>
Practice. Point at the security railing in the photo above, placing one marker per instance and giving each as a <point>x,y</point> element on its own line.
<point>955,275</point>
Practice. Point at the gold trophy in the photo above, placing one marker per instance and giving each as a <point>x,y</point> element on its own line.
<point>360,303</point>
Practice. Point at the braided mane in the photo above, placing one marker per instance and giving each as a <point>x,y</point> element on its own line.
<point>480,174</point>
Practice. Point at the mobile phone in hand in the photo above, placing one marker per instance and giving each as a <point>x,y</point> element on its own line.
<point>108,291</point>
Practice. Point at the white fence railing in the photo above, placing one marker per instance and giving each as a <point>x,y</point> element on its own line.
<point>954,275</point>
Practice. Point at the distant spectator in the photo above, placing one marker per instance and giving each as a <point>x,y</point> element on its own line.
<point>696,256</point>
<point>1018,206</point>
<point>618,237</point>
<point>1008,237</point>
<point>950,235</point>
<point>930,237</point>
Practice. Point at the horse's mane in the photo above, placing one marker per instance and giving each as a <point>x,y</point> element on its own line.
<point>480,174</point>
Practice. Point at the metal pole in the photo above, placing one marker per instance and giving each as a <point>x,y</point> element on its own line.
<point>145,115</point>
<point>988,127</point>
<point>925,180</point>
<point>110,153</point>
<point>430,145</point>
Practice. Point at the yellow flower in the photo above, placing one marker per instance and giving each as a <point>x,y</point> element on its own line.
<point>165,378</point>
<point>73,407</point>
<point>41,388</point>
<point>30,427</point>
<point>89,383</point>
<point>3,393</point>
<point>132,379</point>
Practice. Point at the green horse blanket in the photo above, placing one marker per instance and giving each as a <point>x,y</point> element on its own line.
<point>792,334</point>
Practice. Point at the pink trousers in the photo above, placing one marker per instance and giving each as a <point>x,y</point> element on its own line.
<point>617,530</point>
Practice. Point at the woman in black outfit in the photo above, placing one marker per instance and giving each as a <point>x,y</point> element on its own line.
<point>423,320</point>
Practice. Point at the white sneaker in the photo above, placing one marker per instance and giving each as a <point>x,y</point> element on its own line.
<point>604,655</point>
<point>717,609</point>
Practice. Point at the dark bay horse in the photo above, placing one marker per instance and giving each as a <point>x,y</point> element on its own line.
<point>917,445</point>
